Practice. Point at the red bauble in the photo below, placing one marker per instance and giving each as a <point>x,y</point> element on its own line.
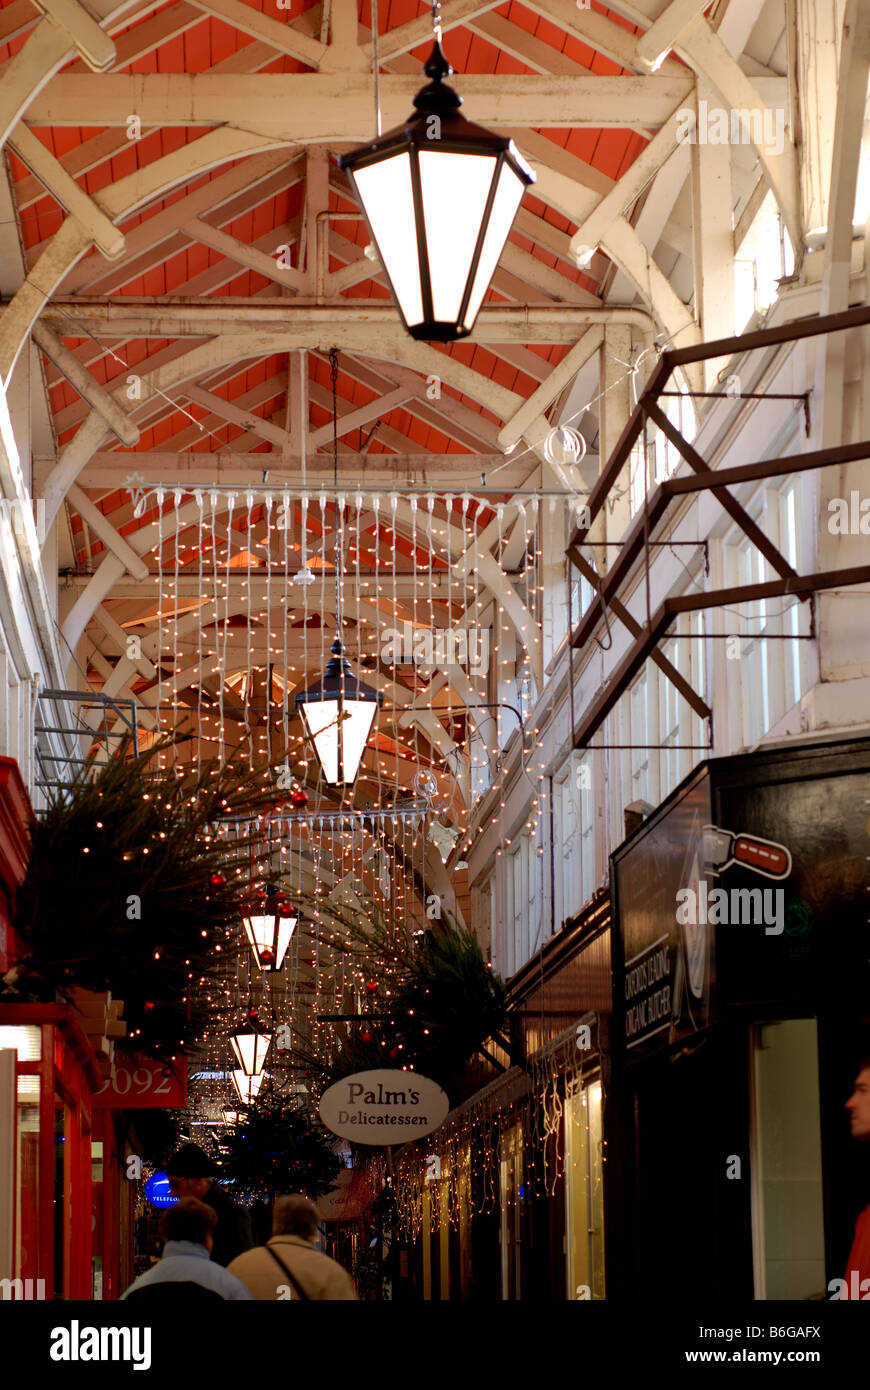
<point>148,1006</point>
<point>372,985</point>
<point>217,879</point>
<point>299,797</point>
<point>267,956</point>
<point>253,1014</point>
<point>394,1052</point>
<point>366,1037</point>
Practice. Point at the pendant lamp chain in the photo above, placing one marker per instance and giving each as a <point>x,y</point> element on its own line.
<point>339,538</point>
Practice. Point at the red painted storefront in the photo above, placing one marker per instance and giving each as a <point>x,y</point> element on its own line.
<point>67,1204</point>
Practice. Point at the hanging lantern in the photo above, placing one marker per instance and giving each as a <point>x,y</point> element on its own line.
<point>439,195</point>
<point>248,1087</point>
<point>338,712</point>
<point>269,924</point>
<point>251,1047</point>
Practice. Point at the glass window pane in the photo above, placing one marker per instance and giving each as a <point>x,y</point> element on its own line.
<point>787,1164</point>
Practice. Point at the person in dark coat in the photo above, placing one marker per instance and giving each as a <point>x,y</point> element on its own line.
<point>185,1273</point>
<point>192,1173</point>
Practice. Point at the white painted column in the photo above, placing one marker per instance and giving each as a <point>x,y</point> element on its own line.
<point>614,409</point>
<point>713,236</point>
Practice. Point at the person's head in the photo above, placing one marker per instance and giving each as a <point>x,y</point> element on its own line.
<point>189,1220</point>
<point>190,1172</point>
<point>858,1104</point>
<point>295,1215</point>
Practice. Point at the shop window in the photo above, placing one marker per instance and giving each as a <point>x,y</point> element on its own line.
<point>463,1177</point>
<point>97,1178</point>
<point>584,1192</point>
<point>511,1194</point>
<point>443,1190</point>
<point>27,1194</point>
<point>681,730</point>
<point>788,1225</point>
<point>525,918</point>
<point>772,667</point>
<point>764,257</point>
<point>582,594</point>
<point>654,458</point>
<point>573,826</point>
<point>639,753</point>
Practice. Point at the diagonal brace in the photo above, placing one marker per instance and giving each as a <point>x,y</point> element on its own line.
<point>774,558</point>
<point>628,620</point>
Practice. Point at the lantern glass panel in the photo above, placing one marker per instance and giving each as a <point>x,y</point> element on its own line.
<point>259,931</point>
<point>251,1049</point>
<point>248,1086</point>
<point>507,199</point>
<point>321,722</point>
<point>355,730</point>
<point>455,188</point>
<point>284,935</point>
<point>387,196</point>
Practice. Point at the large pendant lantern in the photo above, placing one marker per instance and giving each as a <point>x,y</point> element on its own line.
<point>251,1046</point>
<point>338,712</point>
<point>248,1087</point>
<point>439,195</point>
<point>269,924</point>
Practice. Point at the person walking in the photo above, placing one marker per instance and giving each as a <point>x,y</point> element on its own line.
<point>192,1173</point>
<point>186,1270</point>
<point>857,1278</point>
<point>289,1266</point>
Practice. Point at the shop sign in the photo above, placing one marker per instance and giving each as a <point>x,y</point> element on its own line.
<point>648,1004</point>
<point>158,1192</point>
<point>666,984</point>
<point>141,1083</point>
<point>345,1201</point>
<point>383,1107</point>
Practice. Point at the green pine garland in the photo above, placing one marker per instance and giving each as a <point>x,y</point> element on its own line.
<point>444,1003</point>
<point>278,1146</point>
<point>126,891</point>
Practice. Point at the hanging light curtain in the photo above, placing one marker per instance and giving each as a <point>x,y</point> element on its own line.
<point>338,710</point>
<point>439,195</point>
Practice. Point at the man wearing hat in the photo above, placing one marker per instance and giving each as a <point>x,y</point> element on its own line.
<point>192,1173</point>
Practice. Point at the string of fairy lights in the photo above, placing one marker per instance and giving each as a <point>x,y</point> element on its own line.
<point>438,598</point>
<point>455,1175</point>
<point>243,618</point>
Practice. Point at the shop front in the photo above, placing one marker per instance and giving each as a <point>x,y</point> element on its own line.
<point>62,1189</point>
<point>505,1201</point>
<point>741,1011</point>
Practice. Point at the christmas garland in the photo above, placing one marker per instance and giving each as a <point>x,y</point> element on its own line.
<point>127,889</point>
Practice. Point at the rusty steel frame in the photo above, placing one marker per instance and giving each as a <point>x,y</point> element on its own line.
<point>671,608</point>
<point>702,478</point>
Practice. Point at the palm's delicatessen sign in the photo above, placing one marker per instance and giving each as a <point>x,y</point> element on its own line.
<point>383,1107</point>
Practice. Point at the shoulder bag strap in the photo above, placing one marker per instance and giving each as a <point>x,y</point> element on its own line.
<point>293,1280</point>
